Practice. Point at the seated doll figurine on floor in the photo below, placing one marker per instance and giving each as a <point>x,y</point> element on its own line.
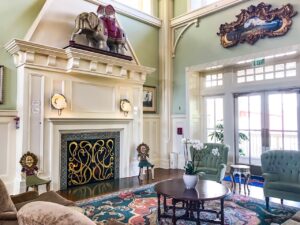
<point>143,154</point>
<point>29,168</point>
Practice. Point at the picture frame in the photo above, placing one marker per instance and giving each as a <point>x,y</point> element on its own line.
<point>1,84</point>
<point>149,99</point>
<point>257,22</point>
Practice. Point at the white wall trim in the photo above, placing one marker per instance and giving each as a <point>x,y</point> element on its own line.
<point>187,17</point>
<point>8,113</point>
<point>130,12</point>
<point>151,116</point>
<point>37,20</point>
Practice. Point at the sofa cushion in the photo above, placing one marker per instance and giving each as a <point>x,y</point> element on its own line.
<point>48,213</point>
<point>6,204</point>
<point>283,186</point>
<point>49,196</point>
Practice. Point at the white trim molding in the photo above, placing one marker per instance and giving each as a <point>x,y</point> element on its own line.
<point>188,17</point>
<point>8,113</point>
<point>130,12</point>
<point>176,40</point>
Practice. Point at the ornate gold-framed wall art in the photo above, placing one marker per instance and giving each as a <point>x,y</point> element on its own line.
<point>1,84</point>
<point>257,22</point>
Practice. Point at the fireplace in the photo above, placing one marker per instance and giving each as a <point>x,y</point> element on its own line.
<point>89,157</point>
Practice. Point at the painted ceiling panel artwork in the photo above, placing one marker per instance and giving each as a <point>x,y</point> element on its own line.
<point>257,22</point>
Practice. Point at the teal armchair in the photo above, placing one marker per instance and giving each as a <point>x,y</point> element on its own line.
<point>281,170</point>
<point>211,167</point>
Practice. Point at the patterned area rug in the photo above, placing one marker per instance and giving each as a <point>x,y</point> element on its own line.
<point>139,206</point>
<point>254,180</point>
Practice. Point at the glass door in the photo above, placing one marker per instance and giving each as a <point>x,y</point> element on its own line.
<point>265,121</point>
<point>282,130</point>
<point>249,128</point>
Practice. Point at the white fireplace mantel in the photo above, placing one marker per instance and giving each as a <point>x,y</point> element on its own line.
<point>93,85</point>
<point>74,61</point>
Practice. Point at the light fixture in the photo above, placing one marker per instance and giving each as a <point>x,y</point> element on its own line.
<point>125,106</point>
<point>59,102</point>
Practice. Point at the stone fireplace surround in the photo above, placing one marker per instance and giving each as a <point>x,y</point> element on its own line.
<point>65,126</point>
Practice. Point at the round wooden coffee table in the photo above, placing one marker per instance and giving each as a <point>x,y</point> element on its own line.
<point>192,200</point>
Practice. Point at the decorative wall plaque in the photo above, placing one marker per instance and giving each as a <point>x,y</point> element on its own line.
<point>257,22</point>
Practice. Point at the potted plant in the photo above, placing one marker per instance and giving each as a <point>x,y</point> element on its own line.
<point>218,134</point>
<point>191,177</point>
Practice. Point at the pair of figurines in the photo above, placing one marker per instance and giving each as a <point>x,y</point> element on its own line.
<point>30,171</point>
<point>143,154</point>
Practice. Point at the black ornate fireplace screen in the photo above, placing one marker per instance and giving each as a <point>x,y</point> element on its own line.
<point>90,161</point>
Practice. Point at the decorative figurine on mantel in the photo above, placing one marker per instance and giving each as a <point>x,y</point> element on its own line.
<point>116,36</point>
<point>102,32</point>
<point>29,168</point>
<point>143,154</point>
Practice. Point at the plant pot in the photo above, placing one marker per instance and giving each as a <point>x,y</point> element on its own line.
<point>190,181</point>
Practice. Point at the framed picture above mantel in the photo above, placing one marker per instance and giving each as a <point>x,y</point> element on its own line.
<point>149,99</point>
<point>1,84</point>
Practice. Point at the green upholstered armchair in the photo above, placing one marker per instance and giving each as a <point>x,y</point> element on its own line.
<point>211,166</point>
<point>281,170</point>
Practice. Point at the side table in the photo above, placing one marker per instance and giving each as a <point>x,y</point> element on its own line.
<point>240,171</point>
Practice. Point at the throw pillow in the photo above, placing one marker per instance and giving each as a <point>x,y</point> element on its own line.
<point>48,213</point>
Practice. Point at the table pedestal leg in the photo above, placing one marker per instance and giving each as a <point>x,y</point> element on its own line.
<point>222,211</point>
<point>158,207</point>
<point>174,212</point>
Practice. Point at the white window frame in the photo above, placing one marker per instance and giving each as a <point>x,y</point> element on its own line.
<point>206,139</point>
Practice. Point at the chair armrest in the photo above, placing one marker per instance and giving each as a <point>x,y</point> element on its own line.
<point>8,215</point>
<point>24,197</point>
<point>270,176</point>
<point>222,166</point>
<point>221,171</point>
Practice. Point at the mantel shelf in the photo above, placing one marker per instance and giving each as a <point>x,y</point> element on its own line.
<point>75,61</point>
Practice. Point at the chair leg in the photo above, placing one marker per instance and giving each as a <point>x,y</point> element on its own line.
<point>141,175</point>
<point>281,201</point>
<point>27,188</point>
<point>267,203</point>
<point>48,187</point>
<point>152,173</point>
<point>36,188</point>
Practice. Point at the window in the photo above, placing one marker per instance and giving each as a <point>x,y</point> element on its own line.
<point>213,80</point>
<point>145,6</point>
<point>269,72</point>
<point>214,117</point>
<point>196,4</point>
<point>270,122</point>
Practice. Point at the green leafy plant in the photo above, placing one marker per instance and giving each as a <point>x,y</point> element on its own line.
<point>190,168</point>
<point>218,134</point>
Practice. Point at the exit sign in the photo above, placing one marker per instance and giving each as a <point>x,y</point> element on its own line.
<point>258,62</point>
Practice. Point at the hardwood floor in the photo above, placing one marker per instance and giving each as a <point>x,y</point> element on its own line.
<point>106,187</point>
<point>110,186</point>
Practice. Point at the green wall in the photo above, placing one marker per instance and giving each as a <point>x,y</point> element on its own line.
<point>202,45</point>
<point>16,18</point>
<point>144,40</point>
<point>179,7</point>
